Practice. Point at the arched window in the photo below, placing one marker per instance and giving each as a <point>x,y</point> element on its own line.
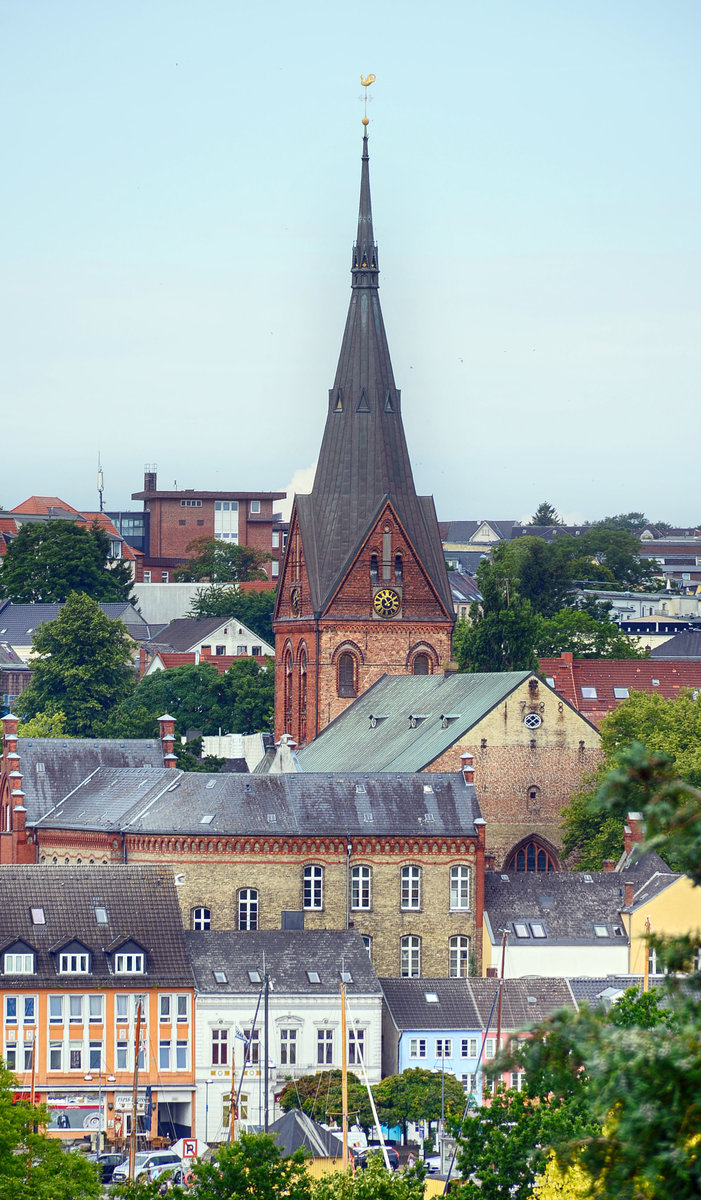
<point>287,667</point>
<point>530,856</point>
<point>303,697</point>
<point>346,674</point>
<point>248,908</point>
<point>421,665</point>
<point>374,570</point>
<point>459,887</point>
<point>398,569</point>
<point>201,918</point>
<point>459,964</point>
<point>411,887</point>
<point>361,887</point>
<point>313,887</point>
<point>411,956</point>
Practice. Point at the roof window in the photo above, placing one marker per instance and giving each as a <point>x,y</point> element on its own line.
<point>220,977</point>
<point>207,819</point>
<point>38,915</point>
<point>255,976</point>
<point>589,693</point>
<point>621,693</point>
<point>520,929</point>
<point>346,977</point>
<point>601,931</point>
<point>101,915</point>
<point>313,977</point>
<point>431,997</point>
<point>537,929</point>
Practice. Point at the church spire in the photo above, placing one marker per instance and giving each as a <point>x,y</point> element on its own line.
<point>364,270</point>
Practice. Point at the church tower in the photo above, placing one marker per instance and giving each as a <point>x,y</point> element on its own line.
<point>363,588</point>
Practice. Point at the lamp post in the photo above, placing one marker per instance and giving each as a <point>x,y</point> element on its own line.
<point>207,1085</point>
<point>101,1114</point>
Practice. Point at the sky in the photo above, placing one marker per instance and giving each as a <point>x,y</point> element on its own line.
<point>179,201</point>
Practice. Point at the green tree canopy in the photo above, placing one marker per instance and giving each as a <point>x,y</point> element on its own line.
<point>253,609</point>
<point>670,730</point>
<point>82,669</point>
<point>503,629</point>
<point>221,562</point>
<point>239,701</point>
<point>581,634</point>
<point>50,559</point>
<point>374,1183</point>
<point>417,1095</point>
<point>44,725</point>
<point>32,1165</point>
<point>253,1167</point>
<point>545,514</point>
<point>319,1096</point>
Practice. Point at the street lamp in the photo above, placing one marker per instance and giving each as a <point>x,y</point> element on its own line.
<point>101,1115</point>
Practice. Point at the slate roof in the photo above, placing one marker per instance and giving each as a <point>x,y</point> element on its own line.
<point>548,533</point>
<point>175,802</point>
<point>349,743</point>
<point>364,460</point>
<point>467,1003</point>
<point>141,904</point>
<point>463,587</point>
<point>686,645</point>
<point>52,767</point>
<point>19,621</point>
<point>10,658</point>
<point>570,675</point>
<point>187,633</point>
<point>287,955</point>
<point>462,532</point>
<point>568,904</point>
<point>603,990</point>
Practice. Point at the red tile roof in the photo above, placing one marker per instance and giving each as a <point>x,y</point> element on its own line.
<point>40,505</point>
<point>570,675</point>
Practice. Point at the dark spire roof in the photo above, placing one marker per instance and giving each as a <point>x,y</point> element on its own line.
<point>364,458</point>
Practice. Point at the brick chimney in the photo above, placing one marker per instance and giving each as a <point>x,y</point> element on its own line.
<point>468,766</point>
<point>492,973</point>
<point>629,891</point>
<point>166,732</point>
<point>609,864</point>
<point>150,479</point>
<point>633,832</point>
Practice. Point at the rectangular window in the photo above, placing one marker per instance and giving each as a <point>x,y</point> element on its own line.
<point>241,651</point>
<point>128,964</point>
<point>95,1006</point>
<point>356,1047</point>
<point>95,1056</point>
<point>181,1056</point>
<point>417,1047</point>
<point>411,957</point>
<point>19,964</point>
<point>360,887</point>
<point>253,1036</point>
<point>122,1048</point>
<point>324,1047</point>
<point>490,1047</point>
<point>220,1047</point>
<point>28,1055</point>
<point>255,506</point>
<point>288,1047</point>
<point>11,1058</point>
<point>164,1008</point>
<point>147,576</point>
<point>55,1056</point>
<point>275,571</point>
<point>182,1007</point>
<point>75,1010</point>
<point>74,964</point>
<point>468,1048</point>
<point>459,887</point>
<point>276,539</point>
<point>164,574</point>
<point>313,887</point>
<point>411,887</point>
<point>11,1010</point>
<point>122,1007</point>
<point>621,693</point>
<point>75,1056</point>
<point>56,1010</point>
<point>444,1047</point>
<point>164,1055</point>
<point>29,1009</point>
<point>589,693</point>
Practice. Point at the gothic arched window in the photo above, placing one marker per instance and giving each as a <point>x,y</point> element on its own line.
<point>346,675</point>
<point>421,665</point>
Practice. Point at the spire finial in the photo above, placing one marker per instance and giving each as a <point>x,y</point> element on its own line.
<point>366,84</point>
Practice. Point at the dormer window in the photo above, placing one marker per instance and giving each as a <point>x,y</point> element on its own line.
<point>74,960</point>
<point>129,960</point>
<point>18,960</point>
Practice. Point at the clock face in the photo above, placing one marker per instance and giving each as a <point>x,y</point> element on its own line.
<point>386,602</point>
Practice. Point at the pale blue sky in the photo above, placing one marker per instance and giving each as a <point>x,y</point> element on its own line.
<point>179,197</point>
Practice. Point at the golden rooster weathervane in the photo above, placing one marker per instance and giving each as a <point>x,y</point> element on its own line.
<point>366,84</point>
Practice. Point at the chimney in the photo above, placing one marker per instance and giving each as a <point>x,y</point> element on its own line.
<point>633,831</point>
<point>492,972</point>
<point>609,864</point>
<point>166,732</point>
<point>150,483</point>
<point>629,887</point>
<point>468,766</point>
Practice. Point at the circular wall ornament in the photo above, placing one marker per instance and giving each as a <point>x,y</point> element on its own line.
<point>532,720</point>
<point>386,602</point>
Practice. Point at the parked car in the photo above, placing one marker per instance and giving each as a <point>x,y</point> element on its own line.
<point>107,1163</point>
<point>144,1162</point>
<point>361,1156</point>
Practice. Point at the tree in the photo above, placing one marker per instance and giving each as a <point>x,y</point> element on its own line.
<point>631,522</point>
<point>374,1183</point>
<point>319,1096</point>
<point>221,562</point>
<point>670,730</point>
<point>50,559</point>
<point>32,1165</point>
<point>578,632</point>
<point>239,701</point>
<point>417,1095</point>
<point>44,725</point>
<point>82,669</point>
<point>253,1167</point>
<point>253,609</point>
<point>545,514</point>
<point>503,629</point>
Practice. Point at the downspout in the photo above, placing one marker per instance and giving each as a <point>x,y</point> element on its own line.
<point>316,687</point>
<point>349,851</point>
<point>124,847</point>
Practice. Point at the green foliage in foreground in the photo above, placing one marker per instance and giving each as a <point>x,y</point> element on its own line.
<point>373,1183</point>
<point>32,1165</point>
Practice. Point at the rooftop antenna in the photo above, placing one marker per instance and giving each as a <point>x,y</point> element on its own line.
<point>366,84</point>
<point>100,481</point>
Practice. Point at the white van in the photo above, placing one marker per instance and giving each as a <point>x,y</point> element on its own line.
<point>144,1160</point>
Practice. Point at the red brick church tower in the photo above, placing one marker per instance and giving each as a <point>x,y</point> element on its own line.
<point>363,588</point>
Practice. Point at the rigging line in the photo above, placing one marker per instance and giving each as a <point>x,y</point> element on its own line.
<point>245,1059</point>
<point>467,1101</point>
<point>371,1098</point>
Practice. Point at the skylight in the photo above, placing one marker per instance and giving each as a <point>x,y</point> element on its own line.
<point>210,783</point>
<point>38,916</point>
<point>520,929</point>
<point>589,693</point>
<point>101,915</point>
<point>255,977</point>
<point>431,997</point>
<point>621,693</point>
<point>601,931</point>
<point>537,929</point>
<point>346,977</point>
<point>313,977</point>
<point>207,819</point>
<point>220,977</point>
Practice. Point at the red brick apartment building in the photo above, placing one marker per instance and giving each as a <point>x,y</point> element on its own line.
<point>175,518</point>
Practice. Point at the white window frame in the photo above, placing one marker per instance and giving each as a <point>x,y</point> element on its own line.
<point>417,1047</point>
<point>324,1047</point>
<point>74,964</point>
<point>247,908</point>
<point>444,1047</point>
<point>410,954</point>
<point>361,887</point>
<point>459,956</point>
<point>288,1046</point>
<point>313,884</point>
<point>410,877</point>
<point>129,962</point>
<point>202,917</point>
<point>18,963</point>
<point>460,888</point>
<point>220,1046</point>
<point>356,1047</point>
